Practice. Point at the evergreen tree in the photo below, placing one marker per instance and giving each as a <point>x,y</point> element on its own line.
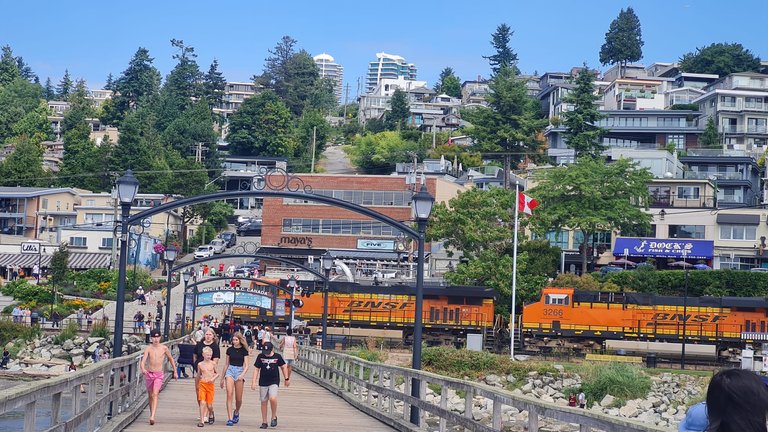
<point>110,84</point>
<point>323,97</point>
<point>9,70</point>
<point>399,112</point>
<point>59,265</point>
<point>35,125</point>
<point>623,41</point>
<point>300,77</point>
<point>65,86</point>
<point>17,98</point>
<point>262,127</point>
<point>26,71</point>
<point>310,120</point>
<point>710,137</point>
<point>193,126</point>
<point>274,65</point>
<point>449,83</point>
<point>214,85</point>
<point>140,81</point>
<point>504,56</point>
<point>182,86</point>
<point>510,123</point>
<point>49,93</point>
<point>582,133</point>
<point>139,149</point>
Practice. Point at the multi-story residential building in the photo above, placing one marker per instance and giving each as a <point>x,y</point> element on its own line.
<point>736,176</point>
<point>388,66</point>
<point>328,68</point>
<point>33,213</point>
<point>635,94</point>
<point>649,129</point>
<point>739,105</point>
<point>98,96</point>
<point>238,174</point>
<point>475,92</point>
<point>235,93</point>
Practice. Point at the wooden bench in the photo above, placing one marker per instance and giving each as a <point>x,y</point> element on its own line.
<point>614,358</point>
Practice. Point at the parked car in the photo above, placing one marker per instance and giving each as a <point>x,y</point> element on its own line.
<point>610,269</point>
<point>244,219</point>
<point>250,229</point>
<point>230,238</point>
<point>219,245</point>
<point>245,270</point>
<point>205,251</point>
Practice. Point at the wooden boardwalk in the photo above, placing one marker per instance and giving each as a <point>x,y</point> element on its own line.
<point>304,406</point>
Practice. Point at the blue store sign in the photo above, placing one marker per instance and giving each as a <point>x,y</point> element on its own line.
<point>664,248</point>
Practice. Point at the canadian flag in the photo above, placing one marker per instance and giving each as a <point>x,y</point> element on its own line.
<point>526,204</point>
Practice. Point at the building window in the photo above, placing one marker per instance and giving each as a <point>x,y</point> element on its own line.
<point>736,262</point>
<point>677,140</point>
<point>78,242</point>
<point>337,226</point>
<point>688,192</point>
<point>738,232</point>
<point>90,203</point>
<point>555,238</point>
<point>44,205</point>
<point>728,101</point>
<point>601,240</point>
<point>106,243</point>
<point>686,231</point>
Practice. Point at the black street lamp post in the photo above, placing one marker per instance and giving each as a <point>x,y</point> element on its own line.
<point>422,207</point>
<point>127,187</point>
<point>170,257</point>
<point>327,262</point>
<point>186,275</point>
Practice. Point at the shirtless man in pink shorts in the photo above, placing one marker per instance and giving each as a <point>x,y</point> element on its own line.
<point>153,372</point>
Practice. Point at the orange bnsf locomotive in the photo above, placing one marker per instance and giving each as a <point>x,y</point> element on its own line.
<point>569,315</point>
<point>450,312</point>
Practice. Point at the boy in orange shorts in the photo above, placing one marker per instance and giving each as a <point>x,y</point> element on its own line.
<point>205,390</point>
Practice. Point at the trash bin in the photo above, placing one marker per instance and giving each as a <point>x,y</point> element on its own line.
<point>650,360</point>
<point>34,318</point>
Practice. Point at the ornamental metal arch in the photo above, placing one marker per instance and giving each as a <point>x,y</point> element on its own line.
<point>260,256</point>
<point>216,196</point>
<point>264,282</point>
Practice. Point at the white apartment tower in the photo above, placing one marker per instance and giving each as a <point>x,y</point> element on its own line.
<point>328,68</point>
<point>388,66</point>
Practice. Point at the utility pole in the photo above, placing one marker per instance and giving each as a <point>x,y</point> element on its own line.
<point>199,153</point>
<point>434,133</point>
<point>346,100</point>
<point>314,146</point>
<point>113,257</point>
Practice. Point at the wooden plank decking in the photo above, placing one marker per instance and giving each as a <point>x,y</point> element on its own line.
<point>304,406</point>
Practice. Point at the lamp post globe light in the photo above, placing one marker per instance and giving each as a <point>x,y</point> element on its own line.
<point>327,263</point>
<point>127,187</point>
<point>170,256</point>
<point>421,204</point>
<point>186,275</point>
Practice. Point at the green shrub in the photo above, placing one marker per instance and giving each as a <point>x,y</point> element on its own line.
<point>24,291</point>
<point>368,354</point>
<point>460,363</point>
<point>100,329</point>
<point>621,380</point>
<point>67,333</point>
<point>10,331</point>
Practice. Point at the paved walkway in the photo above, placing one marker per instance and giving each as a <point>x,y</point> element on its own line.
<point>304,406</point>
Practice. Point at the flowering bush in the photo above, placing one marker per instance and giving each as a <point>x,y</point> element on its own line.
<point>159,248</point>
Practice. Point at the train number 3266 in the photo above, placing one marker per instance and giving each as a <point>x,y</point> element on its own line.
<point>553,312</point>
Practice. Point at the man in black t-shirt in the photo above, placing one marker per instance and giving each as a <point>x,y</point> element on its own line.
<point>266,371</point>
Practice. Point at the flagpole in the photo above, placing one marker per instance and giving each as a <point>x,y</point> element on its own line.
<point>514,274</point>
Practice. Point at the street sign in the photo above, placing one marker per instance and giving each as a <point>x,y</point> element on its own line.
<point>31,248</point>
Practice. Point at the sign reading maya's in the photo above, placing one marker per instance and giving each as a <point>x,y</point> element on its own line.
<point>212,298</point>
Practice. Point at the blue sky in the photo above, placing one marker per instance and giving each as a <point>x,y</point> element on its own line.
<point>92,38</point>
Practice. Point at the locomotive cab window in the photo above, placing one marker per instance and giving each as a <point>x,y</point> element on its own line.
<point>557,299</point>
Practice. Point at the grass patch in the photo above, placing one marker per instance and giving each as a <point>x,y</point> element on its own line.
<point>100,329</point>
<point>459,363</point>
<point>10,331</point>
<point>620,380</point>
<point>371,355</point>
<point>67,333</point>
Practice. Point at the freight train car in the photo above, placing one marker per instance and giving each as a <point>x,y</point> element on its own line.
<point>585,319</point>
<point>450,312</point>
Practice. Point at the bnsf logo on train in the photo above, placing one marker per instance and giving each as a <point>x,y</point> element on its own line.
<point>362,305</point>
<point>699,318</point>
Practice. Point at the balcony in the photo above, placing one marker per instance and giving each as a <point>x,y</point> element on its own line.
<point>696,175</point>
<point>672,200</point>
<point>741,129</point>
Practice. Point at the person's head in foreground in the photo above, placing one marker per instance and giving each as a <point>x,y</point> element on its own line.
<point>737,401</point>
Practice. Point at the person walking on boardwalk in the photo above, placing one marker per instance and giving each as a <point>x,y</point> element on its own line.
<point>236,366</point>
<point>153,371</point>
<point>209,341</point>
<point>267,373</point>
<point>206,370</point>
<point>290,349</point>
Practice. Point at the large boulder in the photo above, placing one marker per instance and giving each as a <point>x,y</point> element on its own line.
<point>68,344</point>
<point>607,401</point>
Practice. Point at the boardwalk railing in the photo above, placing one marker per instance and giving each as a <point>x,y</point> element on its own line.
<point>106,396</point>
<point>384,392</point>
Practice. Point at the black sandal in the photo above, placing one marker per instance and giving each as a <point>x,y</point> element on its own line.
<point>200,424</point>
<point>211,418</point>
<point>263,426</point>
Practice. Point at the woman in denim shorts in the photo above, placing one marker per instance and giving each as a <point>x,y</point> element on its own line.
<point>236,367</point>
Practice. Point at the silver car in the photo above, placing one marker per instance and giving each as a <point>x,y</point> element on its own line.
<point>219,245</point>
